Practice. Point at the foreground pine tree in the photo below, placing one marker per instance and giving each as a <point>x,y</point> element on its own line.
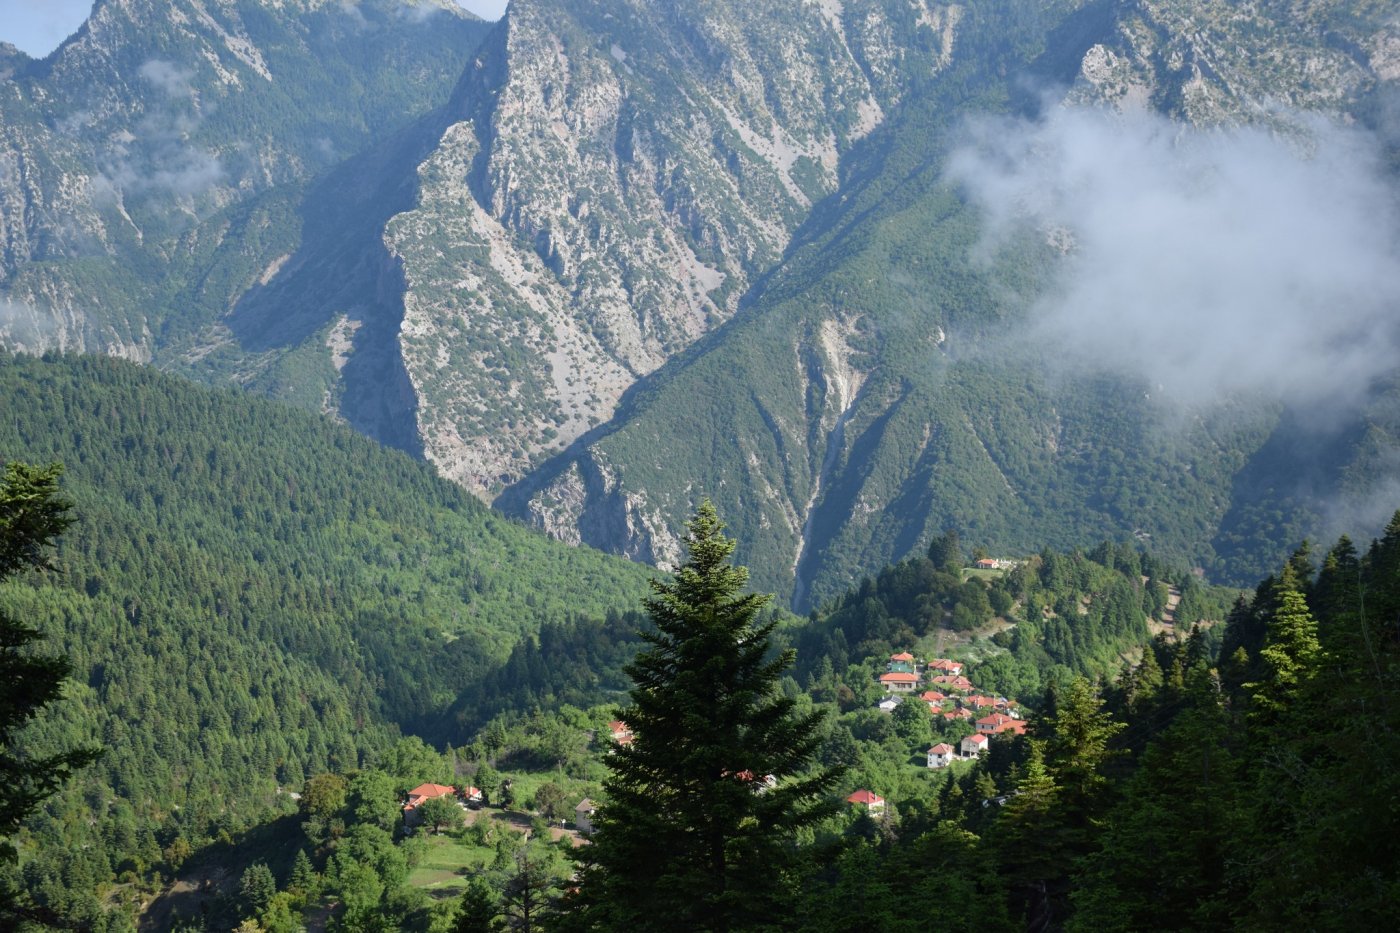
<point>695,835</point>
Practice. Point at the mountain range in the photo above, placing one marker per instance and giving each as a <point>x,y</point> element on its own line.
<point>858,270</point>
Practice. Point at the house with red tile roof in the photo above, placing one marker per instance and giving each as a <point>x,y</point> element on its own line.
<point>977,702</point>
<point>941,755</point>
<point>903,662</point>
<point>899,682</point>
<point>621,732</point>
<point>954,682</point>
<point>934,699</point>
<point>955,714</point>
<point>874,804</point>
<point>945,666</point>
<point>998,723</point>
<point>974,745</point>
<point>425,792</point>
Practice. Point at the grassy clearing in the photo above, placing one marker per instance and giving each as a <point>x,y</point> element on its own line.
<point>447,863</point>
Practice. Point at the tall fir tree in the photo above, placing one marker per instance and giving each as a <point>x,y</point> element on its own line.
<point>33,513</point>
<point>1031,843</point>
<point>1290,652</point>
<point>1161,853</point>
<point>694,835</point>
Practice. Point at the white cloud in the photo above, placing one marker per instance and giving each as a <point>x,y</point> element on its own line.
<point>24,327</point>
<point>158,157</point>
<point>167,77</point>
<point>1211,263</point>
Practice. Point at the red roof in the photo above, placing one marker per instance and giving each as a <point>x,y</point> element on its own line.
<point>978,701</point>
<point>958,682</point>
<point>427,792</point>
<point>865,797</point>
<point>902,656</point>
<point>999,723</point>
<point>958,714</point>
<point>976,739</point>
<point>898,677</point>
<point>942,748</point>
<point>933,696</point>
<point>943,664</point>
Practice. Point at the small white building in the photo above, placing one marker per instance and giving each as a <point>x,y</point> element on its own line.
<point>583,816</point>
<point>941,755</point>
<point>974,745</point>
<point>888,704</point>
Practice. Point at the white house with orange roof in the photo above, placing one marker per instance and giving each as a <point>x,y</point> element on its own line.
<point>998,723</point>
<point>934,699</point>
<point>422,793</point>
<point>974,745</point>
<point>941,755</point>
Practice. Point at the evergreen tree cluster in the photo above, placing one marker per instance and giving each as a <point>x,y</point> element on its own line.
<point>250,596</point>
<point>1252,793</point>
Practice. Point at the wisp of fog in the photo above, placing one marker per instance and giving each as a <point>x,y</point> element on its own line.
<point>1212,262</point>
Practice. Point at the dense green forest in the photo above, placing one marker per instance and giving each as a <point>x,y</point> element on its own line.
<point>278,633</point>
<point>250,596</point>
<point>1186,791</point>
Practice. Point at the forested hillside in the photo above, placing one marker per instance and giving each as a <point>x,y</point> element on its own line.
<point>1186,794</point>
<point>250,596</point>
<point>1217,775</point>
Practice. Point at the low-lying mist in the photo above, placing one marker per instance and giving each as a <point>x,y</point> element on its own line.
<point>1211,263</point>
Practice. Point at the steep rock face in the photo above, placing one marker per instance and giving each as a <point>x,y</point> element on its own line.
<point>150,168</point>
<point>866,400</point>
<point>1208,63</point>
<point>619,172</point>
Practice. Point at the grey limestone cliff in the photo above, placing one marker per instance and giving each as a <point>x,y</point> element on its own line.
<point>617,174</point>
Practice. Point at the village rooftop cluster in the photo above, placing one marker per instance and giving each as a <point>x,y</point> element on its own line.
<point>950,695</point>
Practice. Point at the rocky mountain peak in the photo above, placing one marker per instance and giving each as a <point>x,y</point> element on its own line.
<point>619,172</point>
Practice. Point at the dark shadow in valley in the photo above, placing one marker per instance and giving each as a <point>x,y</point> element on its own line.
<point>344,275</point>
<point>1279,496</point>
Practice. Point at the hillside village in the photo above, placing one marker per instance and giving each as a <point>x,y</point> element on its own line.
<point>966,719</point>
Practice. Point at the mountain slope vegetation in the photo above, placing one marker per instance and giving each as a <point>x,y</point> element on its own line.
<point>158,167</point>
<point>603,259</point>
<point>891,376</point>
<point>251,596</point>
